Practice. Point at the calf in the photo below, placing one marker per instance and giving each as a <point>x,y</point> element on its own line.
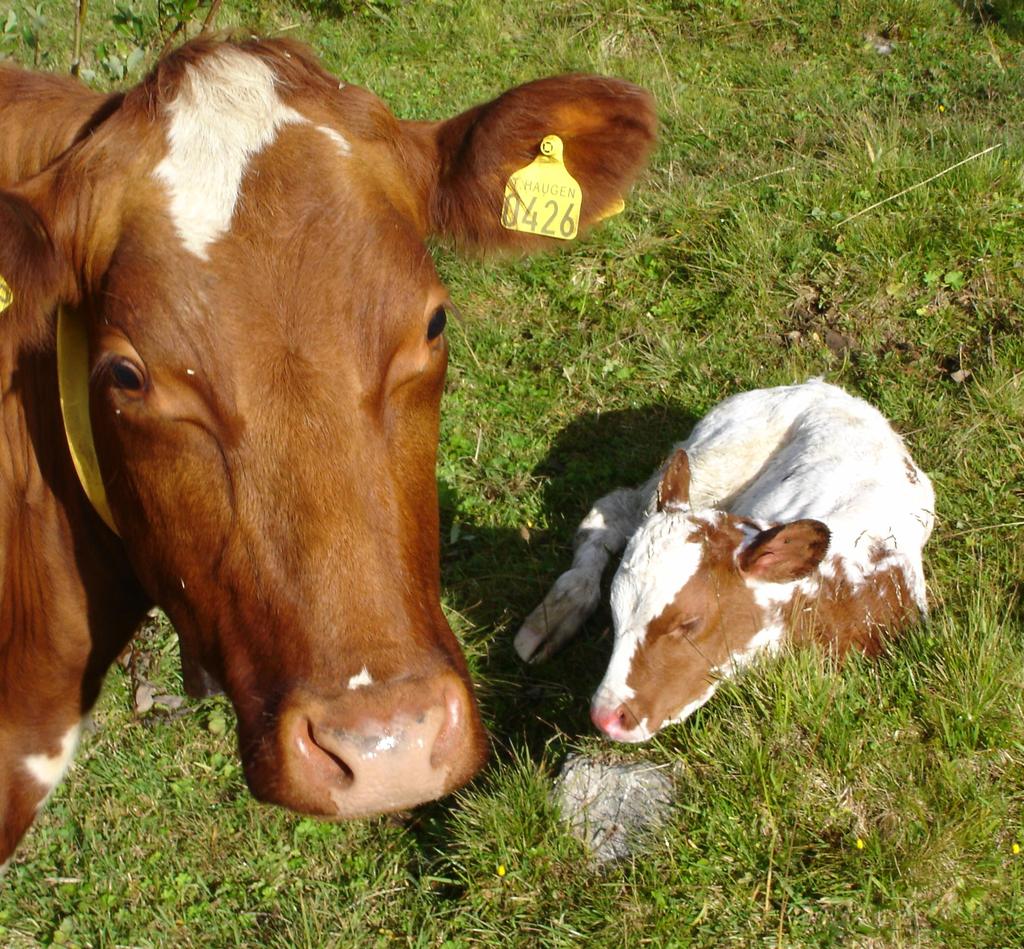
<point>791,514</point>
<point>220,289</point>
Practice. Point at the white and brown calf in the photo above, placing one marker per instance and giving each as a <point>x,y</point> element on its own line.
<point>790,514</point>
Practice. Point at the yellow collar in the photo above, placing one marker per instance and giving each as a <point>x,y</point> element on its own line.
<point>73,380</point>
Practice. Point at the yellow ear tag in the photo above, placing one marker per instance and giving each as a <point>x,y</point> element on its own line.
<point>616,207</point>
<point>6,295</point>
<point>543,198</point>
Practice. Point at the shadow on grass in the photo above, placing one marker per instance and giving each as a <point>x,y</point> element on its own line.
<point>496,577</point>
<point>1007,13</point>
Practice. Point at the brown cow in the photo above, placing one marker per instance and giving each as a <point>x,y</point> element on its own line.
<point>240,239</point>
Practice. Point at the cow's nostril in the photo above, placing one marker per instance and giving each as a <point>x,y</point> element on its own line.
<point>345,773</point>
<point>451,736</point>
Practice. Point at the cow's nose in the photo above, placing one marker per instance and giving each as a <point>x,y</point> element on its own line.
<point>616,721</point>
<point>380,748</point>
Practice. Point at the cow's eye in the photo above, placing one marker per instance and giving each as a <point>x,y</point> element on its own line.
<point>126,375</point>
<point>437,323</point>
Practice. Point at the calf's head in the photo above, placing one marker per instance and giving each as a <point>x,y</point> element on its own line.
<point>243,243</point>
<point>694,599</point>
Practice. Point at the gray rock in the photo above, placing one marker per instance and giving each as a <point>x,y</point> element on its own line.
<point>169,702</point>
<point>144,698</point>
<point>611,805</point>
<point>882,45</point>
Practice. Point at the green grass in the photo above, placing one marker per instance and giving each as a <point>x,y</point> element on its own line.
<point>573,374</point>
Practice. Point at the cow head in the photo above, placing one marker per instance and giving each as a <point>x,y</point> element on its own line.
<point>243,242</point>
<point>694,599</point>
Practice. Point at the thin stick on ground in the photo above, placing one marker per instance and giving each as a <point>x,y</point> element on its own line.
<point>767,174</point>
<point>211,16</point>
<point>171,39</point>
<point>920,184</point>
<point>76,58</point>
<point>208,24</point>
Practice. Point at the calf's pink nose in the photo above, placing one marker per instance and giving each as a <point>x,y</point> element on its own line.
<point>614,722</point>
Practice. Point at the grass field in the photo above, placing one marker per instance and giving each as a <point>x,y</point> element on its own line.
<point>878,805</point>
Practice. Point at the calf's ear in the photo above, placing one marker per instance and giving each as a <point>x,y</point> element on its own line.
<point>36,277</point>
<point>607,127</point>
<point>785,553</point>
<point>674,487</point>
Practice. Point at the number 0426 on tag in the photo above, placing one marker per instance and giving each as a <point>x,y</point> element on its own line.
<point>543,198</point>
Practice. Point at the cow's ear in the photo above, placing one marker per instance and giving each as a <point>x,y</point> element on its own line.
<point>36,276</point>
<point>786,552</point>
<point>607,128</point>
<point>674,487</point>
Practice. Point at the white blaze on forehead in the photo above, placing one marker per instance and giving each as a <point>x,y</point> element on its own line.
<point>360,679</point>
<point>227,110</point>
<point>49,769</point>
<point>659,561</point>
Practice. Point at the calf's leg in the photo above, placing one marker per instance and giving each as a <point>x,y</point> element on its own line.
<point>574,597</point>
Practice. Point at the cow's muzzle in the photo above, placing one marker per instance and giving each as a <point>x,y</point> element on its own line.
<point>372,750</point>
